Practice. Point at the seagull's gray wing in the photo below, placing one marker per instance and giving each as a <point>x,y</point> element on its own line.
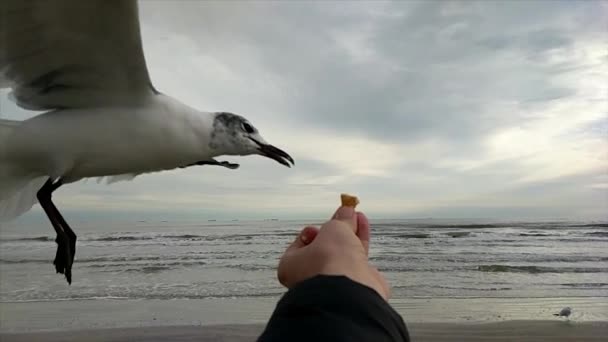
<point>72,53</point>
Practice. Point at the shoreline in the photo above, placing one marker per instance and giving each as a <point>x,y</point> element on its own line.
<point>522,331</point>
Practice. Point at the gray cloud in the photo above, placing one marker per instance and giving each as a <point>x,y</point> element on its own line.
<point>473,108</point>
<point>429,72</point>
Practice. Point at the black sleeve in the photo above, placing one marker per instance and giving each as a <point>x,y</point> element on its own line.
<point>334,308</point>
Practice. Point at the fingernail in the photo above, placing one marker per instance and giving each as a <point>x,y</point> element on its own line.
<point>304,238</point>
<point>345,213</point>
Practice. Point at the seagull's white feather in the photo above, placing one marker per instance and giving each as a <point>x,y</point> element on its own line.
<point>17,187</point>
<point>117,178</point>
<point>8,183</point>
<point>21,195</point>
<point>72,54</point>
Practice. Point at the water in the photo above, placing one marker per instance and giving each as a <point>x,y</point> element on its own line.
<point>237,259</point>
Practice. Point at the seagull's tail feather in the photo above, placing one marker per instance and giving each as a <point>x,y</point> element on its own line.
<point>17,187</point>
<point>20,197</point>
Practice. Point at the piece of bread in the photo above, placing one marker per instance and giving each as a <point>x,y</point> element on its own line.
<point>349,201</point>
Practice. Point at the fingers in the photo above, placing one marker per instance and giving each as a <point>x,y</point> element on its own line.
<point>306,236</point>
<point>363,231</point>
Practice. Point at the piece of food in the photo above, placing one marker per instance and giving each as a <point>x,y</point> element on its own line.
<point>349,201</point>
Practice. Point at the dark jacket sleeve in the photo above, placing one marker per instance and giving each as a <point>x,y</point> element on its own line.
<point>334,308</point>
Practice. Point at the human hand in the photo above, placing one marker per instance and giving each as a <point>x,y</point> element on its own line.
<point>340,247</point>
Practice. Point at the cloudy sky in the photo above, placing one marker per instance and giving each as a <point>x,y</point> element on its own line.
<point>422,109</point>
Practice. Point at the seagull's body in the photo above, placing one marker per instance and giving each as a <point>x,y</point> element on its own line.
<point>160,134</point>
<point>82,64</point>
<point>565,312</point>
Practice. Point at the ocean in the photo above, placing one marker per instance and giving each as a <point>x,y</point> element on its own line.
<point>237,259</point>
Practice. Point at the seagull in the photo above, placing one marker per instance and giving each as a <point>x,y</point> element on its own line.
<point>82,64</point>
<point>565,312</point>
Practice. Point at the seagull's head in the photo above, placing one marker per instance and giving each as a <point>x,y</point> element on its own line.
<point>232,134</point>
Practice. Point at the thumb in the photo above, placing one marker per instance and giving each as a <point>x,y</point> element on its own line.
<point>347,215</point>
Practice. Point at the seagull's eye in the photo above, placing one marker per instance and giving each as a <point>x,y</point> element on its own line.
<point>248,128</point>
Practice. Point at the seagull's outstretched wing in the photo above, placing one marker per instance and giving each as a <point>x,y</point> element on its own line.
<point>72,53</point>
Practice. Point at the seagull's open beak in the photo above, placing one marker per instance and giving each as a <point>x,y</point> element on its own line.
<point>272,152</point>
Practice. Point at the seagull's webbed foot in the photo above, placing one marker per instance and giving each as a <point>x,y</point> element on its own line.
<point>66,250</point>
<point>229,165</point>
<point>64,257</point>
<point>225,164</point>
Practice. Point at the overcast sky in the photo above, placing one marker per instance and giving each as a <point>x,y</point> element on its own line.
<point>422,109</point>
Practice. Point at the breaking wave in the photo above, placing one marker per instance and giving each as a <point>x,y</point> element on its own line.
<point>39,238</point>
<point>412,236</point>
<point>539,269</point>
<point>458,234</point>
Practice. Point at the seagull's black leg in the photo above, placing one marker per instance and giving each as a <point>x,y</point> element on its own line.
<point>66,239</point>
<point>67,230</point>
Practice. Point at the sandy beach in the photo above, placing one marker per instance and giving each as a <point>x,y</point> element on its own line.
<point>521,331</point>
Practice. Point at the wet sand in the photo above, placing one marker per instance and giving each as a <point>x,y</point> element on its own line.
<point>429,319</point>
<point>22,317</point>
<point>522,331</point>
